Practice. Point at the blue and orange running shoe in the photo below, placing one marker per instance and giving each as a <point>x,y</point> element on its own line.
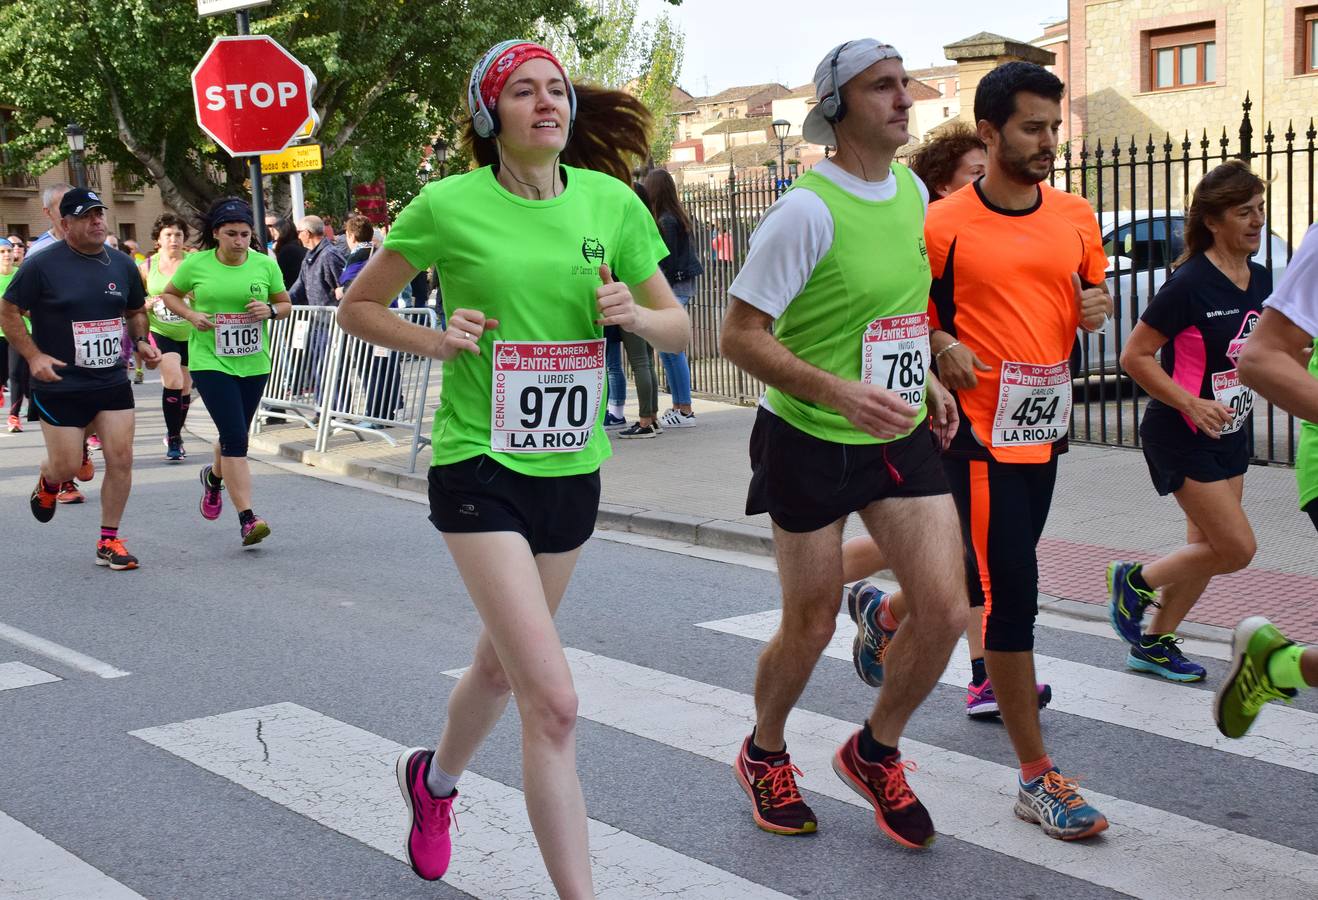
<point>864,603</point>
<point>1055,805</point>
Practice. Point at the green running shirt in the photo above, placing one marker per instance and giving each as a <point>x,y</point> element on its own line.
<point>163,322</point>
<point>222,293</point>
<point>534,266</point>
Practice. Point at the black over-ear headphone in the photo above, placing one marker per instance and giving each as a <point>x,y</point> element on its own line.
<point>831,107</point>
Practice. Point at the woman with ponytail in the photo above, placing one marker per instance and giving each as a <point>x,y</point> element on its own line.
<point>538,249</point>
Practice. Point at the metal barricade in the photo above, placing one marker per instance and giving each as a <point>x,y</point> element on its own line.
<point>299,360</point>
<point>372,389</point>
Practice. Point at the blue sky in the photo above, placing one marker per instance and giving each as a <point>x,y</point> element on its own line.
<point>732,42</point>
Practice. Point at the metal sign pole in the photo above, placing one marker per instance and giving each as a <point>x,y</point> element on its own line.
<point>260,235</point>
<point>298,198</point>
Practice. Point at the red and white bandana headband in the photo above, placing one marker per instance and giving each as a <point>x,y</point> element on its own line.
<point>496,76</point>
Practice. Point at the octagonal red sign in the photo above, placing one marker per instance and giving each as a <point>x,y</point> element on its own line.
<point>252,96</point>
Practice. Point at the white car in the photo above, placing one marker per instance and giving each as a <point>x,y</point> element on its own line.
<point>1137,267</point>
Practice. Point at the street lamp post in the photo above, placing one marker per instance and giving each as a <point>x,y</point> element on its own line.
<point>439,153</point>
<point>780,129</point>
<point>347,192</point>
<point>77,144</point>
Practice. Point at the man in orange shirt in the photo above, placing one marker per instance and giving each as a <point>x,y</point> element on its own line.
<point>1017,267</point>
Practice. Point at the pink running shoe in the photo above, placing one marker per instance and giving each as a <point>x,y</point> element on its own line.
<point>211,501</point>
<point>93,443</point>
<point>428,846</point>
<point>255,531</point>
<point>982,703</point>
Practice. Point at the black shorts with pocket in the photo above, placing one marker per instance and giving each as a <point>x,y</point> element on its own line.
<point>77,409</point>
<point>554,514</point>
<point>1199,460</point>
<point>805,483</point>
<point>169,345</point>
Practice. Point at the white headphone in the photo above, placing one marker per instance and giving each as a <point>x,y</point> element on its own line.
<point>485,121</point>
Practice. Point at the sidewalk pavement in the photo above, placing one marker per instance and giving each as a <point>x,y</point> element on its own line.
<point>690,485</point>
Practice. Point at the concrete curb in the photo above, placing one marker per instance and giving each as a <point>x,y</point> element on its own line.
<point>719,534</point>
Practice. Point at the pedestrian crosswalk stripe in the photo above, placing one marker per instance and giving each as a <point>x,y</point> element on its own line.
<point>31,866</point>
<point>342,777</point>
<point>969,798</point>
<point>1284,737</point>
<point>58,652</point>
<point>18,675</point>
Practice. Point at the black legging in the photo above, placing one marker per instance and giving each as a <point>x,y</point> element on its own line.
<point>20,385</point>
<point>231,400</point>
<point>1312,509</point>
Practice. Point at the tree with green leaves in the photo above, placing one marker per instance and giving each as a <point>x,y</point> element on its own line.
<point>389,76</point>
<point>608,46</point>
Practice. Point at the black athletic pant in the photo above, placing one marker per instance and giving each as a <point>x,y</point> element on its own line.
<point>231,400</point>
<point>1003,508</point>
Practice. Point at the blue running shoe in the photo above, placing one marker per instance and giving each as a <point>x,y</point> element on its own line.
<point>1161,656</point>
<point>1126,604</point>
<point>863,603</point>
<point>1055,805</point>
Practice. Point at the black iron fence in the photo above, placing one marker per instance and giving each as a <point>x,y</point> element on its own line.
<point>1139,190</point>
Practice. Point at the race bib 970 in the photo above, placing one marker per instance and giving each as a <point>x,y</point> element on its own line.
<point>237,334</point>
<point>97,343</point>
<point>1034,404</point>
<point>894,354</point>
<point>545,395</point>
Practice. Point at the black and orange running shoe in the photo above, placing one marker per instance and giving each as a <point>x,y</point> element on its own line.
<point>111,552</point>
<point>43,501</point>
<point>771,785</point>
<point>898,812</point>
<point>86,471</point>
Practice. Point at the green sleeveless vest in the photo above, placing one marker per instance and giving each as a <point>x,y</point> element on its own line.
<point>876,267</point>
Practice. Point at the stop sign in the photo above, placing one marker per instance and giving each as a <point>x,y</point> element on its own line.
<point>252,95</point>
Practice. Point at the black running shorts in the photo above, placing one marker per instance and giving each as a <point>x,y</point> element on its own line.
<point>1198,461</point>
<point>555,515</point>
<point>169,345</point>
<point>805,483</point>
<point>77,409</point>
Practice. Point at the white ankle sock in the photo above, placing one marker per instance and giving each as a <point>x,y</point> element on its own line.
<point>438,782</point>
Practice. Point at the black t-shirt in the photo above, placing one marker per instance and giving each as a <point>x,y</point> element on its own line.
<point>1206,320</point>
<point>77,305</point>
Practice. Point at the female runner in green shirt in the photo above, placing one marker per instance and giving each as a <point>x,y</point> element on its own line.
<point>171,331</point>
<point>235,291</point>
<point>527,248</point>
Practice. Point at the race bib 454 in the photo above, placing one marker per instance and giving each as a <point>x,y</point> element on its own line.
<point>1034,404</point>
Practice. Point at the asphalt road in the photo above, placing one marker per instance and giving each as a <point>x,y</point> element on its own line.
<point>352,611</point>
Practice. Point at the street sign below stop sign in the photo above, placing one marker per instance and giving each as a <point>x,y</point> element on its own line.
<point>252,95</point>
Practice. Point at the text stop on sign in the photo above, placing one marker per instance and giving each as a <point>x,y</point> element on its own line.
<point>252,96</point>
<point>261,95</point>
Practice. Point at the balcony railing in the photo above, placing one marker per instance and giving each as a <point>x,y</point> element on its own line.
<point>19,180</point>
<point>125,183</point>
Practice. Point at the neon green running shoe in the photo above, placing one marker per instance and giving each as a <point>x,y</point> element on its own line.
<point>1247,686</point>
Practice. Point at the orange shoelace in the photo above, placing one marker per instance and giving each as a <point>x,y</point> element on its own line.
<point>115,544</point>
<point>1066,790</point>
<point>896,792</point>
<point>778,787</point>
